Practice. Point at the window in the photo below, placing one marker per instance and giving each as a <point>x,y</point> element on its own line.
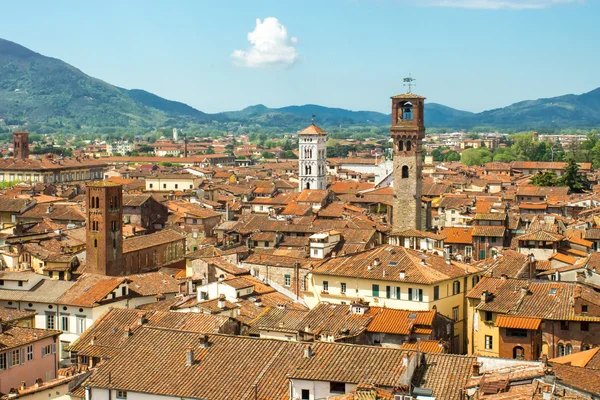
<point>564,325</point>
<point>468,251</point>
<point>568,349</point>
<point>404,171</point>
<point>519,353</point>
<point>325,286</point>
<point>80,324</point>
<point>164,185</point>
<point>50,349</point>
<point>305,394</point>
<point>375,290</point>
<point>522,333</point>
<point>436,292</point>
<point>408,145</point>
<point>585,326</point>
<point>287,280</point>
<point>16,357</point>
<point>488,342</point>
<point>50,324</point>
<point>29,352</point>
<point>337,387</point>
<point>121,394</point>
<point>343,287</point>
<point>2,361</point>
<point>455,314</point>
<point>64,323</point>
<point>150,185</point>
<point>488,316</point>
<point>475,280</point>
<point>561,350</point>
<point>388,292</point>
<point>303,284</point>
<point>176,186</point>
<point>584,308</point>
<point>410,294</point>
<point>455,287</point>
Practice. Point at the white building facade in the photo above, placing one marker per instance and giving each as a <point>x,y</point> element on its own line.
<point>313,158</point>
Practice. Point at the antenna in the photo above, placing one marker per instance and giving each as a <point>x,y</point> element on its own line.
<point>408,82</point>
<point>313,119</point>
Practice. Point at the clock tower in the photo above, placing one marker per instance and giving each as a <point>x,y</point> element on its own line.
<point>407,133</point>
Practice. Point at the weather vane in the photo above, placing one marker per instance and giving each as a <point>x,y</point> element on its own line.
<point>408,82</point>
<point>313,119</point>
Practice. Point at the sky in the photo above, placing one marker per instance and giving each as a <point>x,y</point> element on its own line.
<point>222,55</point>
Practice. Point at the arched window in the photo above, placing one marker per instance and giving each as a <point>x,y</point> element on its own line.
<point>97,202</point>
<point>400,145</point>
<point>568,349</point>
<point>405,172</point>
<point>111,202</point>
<point>307,185</point>
<point>407,112</point>
<point>408,145</point>
<point>95,242</point>
<point>585,347</point>
<point>456,287</point>
<point>561,350</point>
<point>518,353</point>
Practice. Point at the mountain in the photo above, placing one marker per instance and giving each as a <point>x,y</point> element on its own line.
<point>47,95</point>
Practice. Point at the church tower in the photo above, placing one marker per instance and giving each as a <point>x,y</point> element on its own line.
<point>104,247</point>
<point>313,158</point>
<point>407,132</point>
<point>21,145</point>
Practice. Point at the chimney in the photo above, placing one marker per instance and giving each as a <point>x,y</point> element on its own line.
<point>93,340</point>
<point>402,274</point>
<point>405,360</point>
<point>257,302</point>
<point>127,332</point>
<point>221,302</point>
<point>308,351</point>
<point>376,262</point>
<point>476,369</point>
<point>23,385</point>
<point>524,292</point>
<point>204,341</point>
<point>484,296</point>
<point>142,319</point>
<point>189,357</point>
<point>503,276</point>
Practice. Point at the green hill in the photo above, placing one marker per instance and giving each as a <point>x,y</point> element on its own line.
<point>46,94</point>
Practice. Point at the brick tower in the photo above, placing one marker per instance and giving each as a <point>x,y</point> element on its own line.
<point>21,145</point>
<point>407,132</point>
<point>313,158</point>
<point>104,235</point>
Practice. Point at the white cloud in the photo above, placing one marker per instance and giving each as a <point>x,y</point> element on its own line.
<point>270,46</point>
<point>501,4</point>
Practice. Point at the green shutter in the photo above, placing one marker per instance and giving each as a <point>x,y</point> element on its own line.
<point>375,290</point>
<point>409,293</point>
<point>388,292</point>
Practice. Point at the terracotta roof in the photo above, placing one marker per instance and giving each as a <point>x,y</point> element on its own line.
<point>490,216</point>
<point>398,322</point>
<point>541,236</point>
<point>425,346</point>
<point>580,359</point>
<point>493,231</point>
<point>16,336</point>
<point>312,130</point>
<point>585,379</point>
<point>446,375</point>
<point>10,315</point>
<point>109,330</point>
<point>563,258</point>
<point>457,235</point>
<point>407,95</point>
<point>507,321</point>
<point>235,367</point>
<point>90,290</point>
<point>391,260</point>
<point>154,239</point>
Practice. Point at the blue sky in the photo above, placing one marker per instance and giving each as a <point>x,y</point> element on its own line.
<point>468,54</point>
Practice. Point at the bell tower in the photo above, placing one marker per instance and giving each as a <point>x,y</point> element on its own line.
<point>104,234</point>
<point>407,132</point>
<point>312,162</point>
<point>21,145</point>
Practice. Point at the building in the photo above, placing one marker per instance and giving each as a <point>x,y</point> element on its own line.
<point>172,182</point>
<point>26,356</point>
<point>313,158</point>
<point>119,148</point>
<point>21,145</point>
<point>407,132</point>
<point>104,231</point>
<point>525,319</point>
<point>400,278</point>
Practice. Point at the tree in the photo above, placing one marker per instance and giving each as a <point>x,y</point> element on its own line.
<point>452,156</point>
<point>438,155</point>
<point>145,149</point>
<point>268,154</point>
<point>476,156</point>
<point>546,178</point>
<point>473,135</point>
<point>576,182</point>
<point>288,154</point>
<point>210,150</point>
